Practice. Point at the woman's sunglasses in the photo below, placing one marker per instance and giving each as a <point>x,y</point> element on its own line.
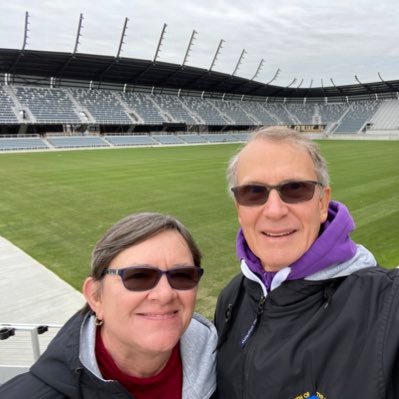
<point>143,278</point>
<point>291,192</point>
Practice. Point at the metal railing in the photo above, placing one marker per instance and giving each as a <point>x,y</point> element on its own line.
<point>19,333</point>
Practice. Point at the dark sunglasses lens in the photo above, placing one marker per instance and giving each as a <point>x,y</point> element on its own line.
<point>250,195</point>
<point>184,278</point>
<point>140,279</point>
<point>295,192</point>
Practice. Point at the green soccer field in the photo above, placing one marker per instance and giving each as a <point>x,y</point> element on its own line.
<point>56,205</point>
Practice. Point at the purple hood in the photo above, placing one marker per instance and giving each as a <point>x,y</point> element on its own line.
<point>331,247</point>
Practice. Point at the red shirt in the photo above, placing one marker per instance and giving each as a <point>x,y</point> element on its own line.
<point>165,385</point>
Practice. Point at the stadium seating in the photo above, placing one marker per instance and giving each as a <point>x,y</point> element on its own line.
<point>175,108</point>
<point>127,140</point>
<point>331,112</point>
<point>7,115</point>
<point>259,112</point>
<point>357,116</point>
<point>240,136</point>
<point>33,143</point>
<point>219,138</point>
<point>103,105</point>
<point>191,138</point>
<point>76,141</point>
<point>387,116</point>
<point>279,113</point>
<point>208,113</point>
<point>47,105</point>
<point>302,114</point>
<point>233,111</point>
<point>99,110</point>
<point>143,105</point>
<point>167,139</point>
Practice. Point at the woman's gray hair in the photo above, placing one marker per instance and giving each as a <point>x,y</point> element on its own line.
<point>282,134</point>
<point>133,230</point>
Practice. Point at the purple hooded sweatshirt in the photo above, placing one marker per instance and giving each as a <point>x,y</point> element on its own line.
<point>331,247</point>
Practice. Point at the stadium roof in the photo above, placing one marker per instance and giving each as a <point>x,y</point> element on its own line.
<point>136,72</point>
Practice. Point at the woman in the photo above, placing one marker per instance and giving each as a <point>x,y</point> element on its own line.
<point>137,336</point>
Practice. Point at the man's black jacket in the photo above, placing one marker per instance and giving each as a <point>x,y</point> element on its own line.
<point>329,339</point>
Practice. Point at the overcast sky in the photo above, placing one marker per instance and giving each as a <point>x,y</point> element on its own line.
<point>311,41</point>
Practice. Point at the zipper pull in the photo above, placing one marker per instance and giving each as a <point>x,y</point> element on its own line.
<point>261,305</point>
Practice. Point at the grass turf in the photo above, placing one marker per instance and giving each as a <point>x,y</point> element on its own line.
<point>56,205</point>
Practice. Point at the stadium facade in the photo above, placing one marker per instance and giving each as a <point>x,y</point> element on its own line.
<point>51,93</point>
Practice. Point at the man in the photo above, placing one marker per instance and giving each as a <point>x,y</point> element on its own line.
<point>311,315</point>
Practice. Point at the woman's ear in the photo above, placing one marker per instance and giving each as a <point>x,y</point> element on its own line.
<point>92,293</point>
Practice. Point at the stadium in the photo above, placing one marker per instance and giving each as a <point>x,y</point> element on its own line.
<point>59,100</point>
<point>52,100</point>
<point>169,130</point>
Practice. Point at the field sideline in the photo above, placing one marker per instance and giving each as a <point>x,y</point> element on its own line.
<point>56,205</point>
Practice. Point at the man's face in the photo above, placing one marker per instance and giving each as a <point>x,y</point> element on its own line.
<point>279,233</point>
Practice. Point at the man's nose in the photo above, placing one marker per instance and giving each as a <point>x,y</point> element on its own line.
<point>274,207</point>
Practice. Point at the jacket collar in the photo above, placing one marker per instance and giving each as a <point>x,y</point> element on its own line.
<point>332,247</point>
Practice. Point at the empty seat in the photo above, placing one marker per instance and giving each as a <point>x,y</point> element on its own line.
<point>22,143</point>
<point>167,139</point>
<point>103,105</point>
<point>47,105</point>
<point>133,140</point>
<point>7,115</point>
<point>77,141</point>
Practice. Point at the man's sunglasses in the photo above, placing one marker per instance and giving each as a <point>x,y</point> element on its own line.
<point>291,192</point>
<point>143,278</point>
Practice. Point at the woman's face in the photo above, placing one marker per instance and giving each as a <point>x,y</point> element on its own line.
<point>146,322</point>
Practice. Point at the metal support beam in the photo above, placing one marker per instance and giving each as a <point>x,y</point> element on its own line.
<point>160,43</point>
<point>121,42</point>
<point>78,34</point>
<point>216,54</point>
<point>26,30</point>
<point>260,66</point>
<point>338,88</point>
<point>275,76</point>
<point>190,44</point>
<point>393,88</point>
<point>293,82</point>
<point>362,84</point>
<point>239,62</point>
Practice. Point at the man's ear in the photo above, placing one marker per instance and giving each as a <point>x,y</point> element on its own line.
<point>324,202</point>
<point>237,206</point>
<point>92,293</point>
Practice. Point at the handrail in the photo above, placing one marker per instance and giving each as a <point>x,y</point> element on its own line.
<point>8,330</point>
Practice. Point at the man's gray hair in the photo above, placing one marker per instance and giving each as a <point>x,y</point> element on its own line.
<point>283,134</point>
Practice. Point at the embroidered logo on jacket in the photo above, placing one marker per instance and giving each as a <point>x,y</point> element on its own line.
<point>308,395</point>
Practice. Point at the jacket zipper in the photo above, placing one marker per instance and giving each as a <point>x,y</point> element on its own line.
<point>246,338</point>
<point>254,324</point>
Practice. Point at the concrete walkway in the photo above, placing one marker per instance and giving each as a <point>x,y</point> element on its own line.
<point>30,294</point>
